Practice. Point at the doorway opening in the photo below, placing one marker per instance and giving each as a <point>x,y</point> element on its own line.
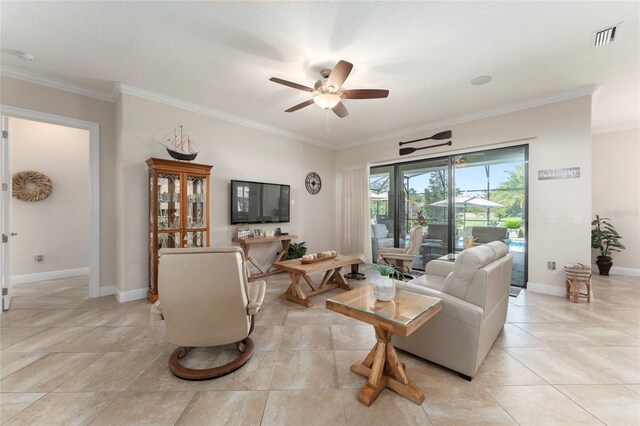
<point>52,245</point>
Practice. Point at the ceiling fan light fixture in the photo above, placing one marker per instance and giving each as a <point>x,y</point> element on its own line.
<point>327,100</point>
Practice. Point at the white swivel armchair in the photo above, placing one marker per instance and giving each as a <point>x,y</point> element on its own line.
<point>403,258</point>
<point>207,300</point>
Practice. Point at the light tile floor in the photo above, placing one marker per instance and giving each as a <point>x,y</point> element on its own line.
<point>67,359</point>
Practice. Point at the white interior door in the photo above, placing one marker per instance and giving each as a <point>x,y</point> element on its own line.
<point>5,217</point>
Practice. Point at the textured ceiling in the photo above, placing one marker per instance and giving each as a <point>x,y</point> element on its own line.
<point>221,55</point>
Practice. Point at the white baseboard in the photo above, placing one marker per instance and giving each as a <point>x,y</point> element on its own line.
<point>128,296</point>
<point>107,290</point>
<point>632,272</point>
<point>619,270</point>
<point>553,290</point>
<point>51,275</point>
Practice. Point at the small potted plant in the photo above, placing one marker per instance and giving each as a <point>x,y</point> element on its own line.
<point>513,226</point>
<point>605,238</point>
<point>296,250</point>
<point>385,288</point>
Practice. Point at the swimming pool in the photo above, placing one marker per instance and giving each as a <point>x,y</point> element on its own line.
<point>517,245</point>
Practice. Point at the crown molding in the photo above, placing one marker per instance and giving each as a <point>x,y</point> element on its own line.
<point>210,112</point>
<point>600,130</point>
<point>517,106</point>
<point>42,80</point>
<point>120,87</point>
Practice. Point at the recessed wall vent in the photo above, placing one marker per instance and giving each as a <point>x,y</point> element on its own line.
<point>605,36</point>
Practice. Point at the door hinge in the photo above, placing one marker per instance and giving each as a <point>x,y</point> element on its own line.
<point>5,239</point>
<point>5,134</point>
<point>5,187</point>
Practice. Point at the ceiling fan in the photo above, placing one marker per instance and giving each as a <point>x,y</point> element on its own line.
<point>327,91</point>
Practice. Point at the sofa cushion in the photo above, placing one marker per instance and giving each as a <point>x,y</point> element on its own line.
<point>465,267</point>
<point>500,249</point>
<point>379,231</point>
<point>433,282</point>
<point>486,234</point>
<point>453,307</point>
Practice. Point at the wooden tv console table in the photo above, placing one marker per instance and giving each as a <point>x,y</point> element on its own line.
<point>245,243</point>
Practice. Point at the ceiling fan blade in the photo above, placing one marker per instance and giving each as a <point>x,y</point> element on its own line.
<point>339,74</point>
<point>300,106</point>
<point>340,110</point>
<point>438,136</point>
<point>365,93</point>
<point>291,84</point>
<point>405,151</point>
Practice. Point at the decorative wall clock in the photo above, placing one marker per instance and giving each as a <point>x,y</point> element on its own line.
<point>313,183</point>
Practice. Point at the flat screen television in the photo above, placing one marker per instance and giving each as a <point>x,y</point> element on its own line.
<point>257,202</point>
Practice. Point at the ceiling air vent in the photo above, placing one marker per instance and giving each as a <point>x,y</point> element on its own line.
<point>605,36</point>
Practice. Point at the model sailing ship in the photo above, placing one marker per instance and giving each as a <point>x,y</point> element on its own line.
<point>179,145</point>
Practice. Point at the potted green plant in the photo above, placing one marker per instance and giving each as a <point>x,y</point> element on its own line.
<point>296,250</point>
<point>605,238</point>
<point>384,288</point>
<point>513,226</point>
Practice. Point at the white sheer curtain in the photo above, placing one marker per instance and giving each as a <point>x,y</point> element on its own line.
<point>356,225</point>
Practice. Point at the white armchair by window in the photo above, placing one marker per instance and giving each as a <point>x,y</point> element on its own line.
<point>403,258</point>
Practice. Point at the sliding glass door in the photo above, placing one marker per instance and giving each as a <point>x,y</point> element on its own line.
<point>460,200</point>
<point>423,200</point>
<point>490,205</point>
<point>382,208</point>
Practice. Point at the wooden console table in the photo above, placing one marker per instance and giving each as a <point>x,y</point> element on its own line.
<point>403,316</point>
<point>245,243</point>
<point>332,277</point>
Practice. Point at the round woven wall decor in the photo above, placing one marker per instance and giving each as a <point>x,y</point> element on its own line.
<point>25,192</point>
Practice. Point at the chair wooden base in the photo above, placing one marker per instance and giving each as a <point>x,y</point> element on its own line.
<point>183,372</point>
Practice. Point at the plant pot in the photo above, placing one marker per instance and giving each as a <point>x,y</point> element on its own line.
<point>604,264</point>
<point>384,289</point>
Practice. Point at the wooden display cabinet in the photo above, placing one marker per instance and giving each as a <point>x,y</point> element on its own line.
<point>178,210</point>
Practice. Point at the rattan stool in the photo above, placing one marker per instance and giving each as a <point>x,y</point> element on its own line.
<point>577,276</point>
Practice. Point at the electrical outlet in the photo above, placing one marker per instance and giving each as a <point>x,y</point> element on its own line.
<point>551,266</point>
<point>38,258</point>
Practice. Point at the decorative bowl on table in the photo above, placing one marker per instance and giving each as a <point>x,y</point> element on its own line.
<point>318,257</point>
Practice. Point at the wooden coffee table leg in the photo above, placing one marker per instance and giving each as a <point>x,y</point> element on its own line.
<point>294,293</point>
<point>339,279</point>
<point>384,369</point>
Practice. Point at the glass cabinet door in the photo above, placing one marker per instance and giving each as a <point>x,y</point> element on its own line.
<point>196,202</point>
<point>169,202</point>
<point>196,239</point>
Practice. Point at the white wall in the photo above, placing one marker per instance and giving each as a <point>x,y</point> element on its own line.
<point>236,152</point>
<point>35,97</point>
<point>563,132</point>
<point>57,227</point>
<point>616,191</point>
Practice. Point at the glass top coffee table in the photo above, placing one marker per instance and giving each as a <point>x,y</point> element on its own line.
<point>403,316</point>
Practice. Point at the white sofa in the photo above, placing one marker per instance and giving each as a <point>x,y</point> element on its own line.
<point>475,290</point>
